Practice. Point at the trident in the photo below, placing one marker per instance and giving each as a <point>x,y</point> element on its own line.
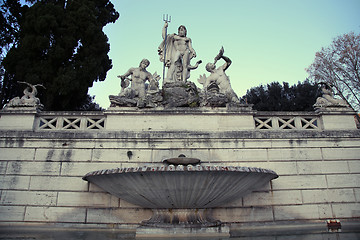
<point>166,18</point>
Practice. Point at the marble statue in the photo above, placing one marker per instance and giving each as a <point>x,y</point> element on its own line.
<point>176,50</point>
<point>178,73</point>
<point>139,76</point>
<point>29,99</point>
<point>327,99</point>
<point>218,80</point>
<point>141,89</point>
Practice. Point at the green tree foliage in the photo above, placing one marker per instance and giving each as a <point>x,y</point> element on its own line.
<point>9,18</point>
<point>339,66</point>
<point>11,13</point>
<point>277,97</point>
<point>62,45</point>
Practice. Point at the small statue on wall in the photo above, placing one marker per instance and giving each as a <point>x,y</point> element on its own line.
<point>218,81</point>
<point>327,99</point>
<point>29,99</point>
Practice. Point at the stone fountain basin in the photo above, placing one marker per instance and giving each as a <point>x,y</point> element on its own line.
<point>180,186</point>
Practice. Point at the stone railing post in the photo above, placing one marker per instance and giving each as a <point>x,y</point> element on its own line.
<point>337,118</point>
<point>18,119</point>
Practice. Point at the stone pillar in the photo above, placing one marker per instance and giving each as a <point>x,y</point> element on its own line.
<point>18,119</point>
<point>337,118</point>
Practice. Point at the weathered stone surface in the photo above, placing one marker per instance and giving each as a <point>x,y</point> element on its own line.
<point>12,213</point>
<point>55,214</point>
<point>87,199</point>
<point>354,166</point>
<point>343,180</point>
<point>20,119</point>
<point>302,212</point>
<point>328,195</point>
<point>299,182</point>
<point>346,210</point>
<point>122,101</point>
<point>320,167</point>
<point>3,166</point>
<point>117,215</point>
<point>33,168</point>
<point>20,154</point>
<point>14,182</point>
<point>123,155</point>
<point>273,198</point>
<point>28,198</point>
<point>281,168</point>
<point>153,99</point>
<point>244,214</point>
<point>168,122</point>
<point>213,99</point>
<point>57,183</point>
<point>180,94</point>
<point>79,169</point>
<point>284,154</point>
<point>341,154</point>
<point>357,194</point>
<point>238,155</point>
<point>63,155</point>
<point>94,188</point>
<point>331,121</point>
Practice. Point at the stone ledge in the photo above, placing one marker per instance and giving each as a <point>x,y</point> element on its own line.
<point>210,232</point>
<point>251,134</point>
<point>98,231</point>
<point>244,108</point>
<point>291,227</point>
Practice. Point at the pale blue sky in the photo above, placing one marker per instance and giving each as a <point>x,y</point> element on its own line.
<point>267,40</point>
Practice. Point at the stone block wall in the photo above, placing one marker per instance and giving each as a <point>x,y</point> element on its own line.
<point>41,173</point>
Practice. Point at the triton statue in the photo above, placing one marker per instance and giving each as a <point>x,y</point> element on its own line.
<point>218,79</point>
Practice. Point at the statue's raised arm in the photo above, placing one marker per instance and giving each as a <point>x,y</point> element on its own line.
<point>164,30</point>
<point>176,49</point>
<point>226,59</point>
<point>218,78</point>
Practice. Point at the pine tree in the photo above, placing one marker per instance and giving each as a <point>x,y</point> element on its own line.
<point>277,97</point>
<point>62,46</point>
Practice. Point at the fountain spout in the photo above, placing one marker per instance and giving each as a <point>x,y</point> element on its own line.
<point>182,160</point>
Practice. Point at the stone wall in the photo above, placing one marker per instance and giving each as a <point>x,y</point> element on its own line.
<point>41,172</point>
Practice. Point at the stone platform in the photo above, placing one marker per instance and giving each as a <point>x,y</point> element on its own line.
<point>44,155</point>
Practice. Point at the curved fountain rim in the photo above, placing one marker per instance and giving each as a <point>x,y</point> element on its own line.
<point>179,168</point>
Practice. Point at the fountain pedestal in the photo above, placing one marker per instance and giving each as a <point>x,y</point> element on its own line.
<point>182,223</point>
<point>185,218</point>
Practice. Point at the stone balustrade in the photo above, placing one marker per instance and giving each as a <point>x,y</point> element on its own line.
<point>199,119</point>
